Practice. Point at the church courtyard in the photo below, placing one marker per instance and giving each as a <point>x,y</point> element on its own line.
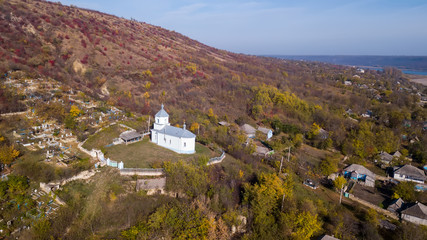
<point>145,154</point>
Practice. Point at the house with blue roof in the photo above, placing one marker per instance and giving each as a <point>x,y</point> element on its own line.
<point>179,140</point>
<point>360,174</point>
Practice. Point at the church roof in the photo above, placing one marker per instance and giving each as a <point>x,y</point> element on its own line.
<point>176,132</point>
<point>162,113</point>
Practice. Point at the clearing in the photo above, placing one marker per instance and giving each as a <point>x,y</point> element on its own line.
<point>104,137</point>
<point>145,154</point>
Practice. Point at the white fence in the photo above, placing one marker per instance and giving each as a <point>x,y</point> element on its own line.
<point>142,171</point>
<point>216,160</point>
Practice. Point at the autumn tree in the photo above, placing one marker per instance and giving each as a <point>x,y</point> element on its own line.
<point>185,178</point>
<point>328,166</point>
<point>265,199</point>
<point>8,154</point>
<point>74,111</point>
<point>195,126</point>
<point>147,73</point>
<point>339,183</point>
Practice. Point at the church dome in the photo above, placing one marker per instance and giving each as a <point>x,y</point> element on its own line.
<point>162,113</point>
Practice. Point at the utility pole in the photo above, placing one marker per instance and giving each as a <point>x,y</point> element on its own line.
<point>342,187</point>
<point>289,153</point>
<point>281,163</point>
<point>148,126</point>
<point>283,200</point>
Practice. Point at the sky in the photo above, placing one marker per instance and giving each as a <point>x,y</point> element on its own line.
<point>285,27</point>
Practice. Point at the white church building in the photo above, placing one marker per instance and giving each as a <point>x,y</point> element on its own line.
<point>176,139</point>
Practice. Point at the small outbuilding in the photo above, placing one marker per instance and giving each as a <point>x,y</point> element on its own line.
<point>131,137</point>
<point>152,186</point>
<point>386,158</point>
<point>396,205</point>
<point>266,131</point>
<point>327,237</point>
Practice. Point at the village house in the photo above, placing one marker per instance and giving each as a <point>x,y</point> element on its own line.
<point>248,130</point>
<point>179,140</point>
<point>396,205</point>
<point>385,157</point>
<point>361,174</point>
<point>266,131</point>
<point>417,213</point>
<point>409,173</point>
<point>327,237</point>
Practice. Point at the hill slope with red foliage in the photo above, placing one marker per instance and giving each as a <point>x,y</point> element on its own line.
<point>137,65</point>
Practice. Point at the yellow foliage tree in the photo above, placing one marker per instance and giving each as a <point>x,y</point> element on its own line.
<point>147,73</point>
<point>146,95</point>
<point>305,225</point>
<point>194,126</point>
<point>147,85</point>
<point>74,111</point>
<point>192,68</point>
<point>314,131</point>
<point>8,154</point>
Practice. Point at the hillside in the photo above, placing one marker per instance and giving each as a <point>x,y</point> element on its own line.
<point>136,65</point>
<point>73,80</point>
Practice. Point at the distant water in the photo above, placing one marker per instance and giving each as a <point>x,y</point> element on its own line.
<point>416,65</point>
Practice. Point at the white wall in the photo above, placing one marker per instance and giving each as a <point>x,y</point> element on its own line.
<point>414,219</point>
<point>403,178</point>
<point>159,122</point>
<point>179,145</point>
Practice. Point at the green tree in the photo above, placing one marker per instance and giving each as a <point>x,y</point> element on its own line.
<point>405,190</point>
<point>297,140</point>
<point>186,178</point>
<point>42,228</point>
<point>364,140</point>
<point>328,166</point>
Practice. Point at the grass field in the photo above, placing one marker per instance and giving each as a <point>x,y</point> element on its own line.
<point>104,137</point>
<point>145,154</point>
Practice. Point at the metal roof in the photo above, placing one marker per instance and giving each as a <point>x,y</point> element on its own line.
<point>396,205</point>
<point>248,129</point>
<point>409,170</point>
<point>384,156</point>
<point>162,113</point>
<point>128,135</point>
<point>360,170</point>
<point>418,210</point>
<point>264,130</point>
<point>176,132</point>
